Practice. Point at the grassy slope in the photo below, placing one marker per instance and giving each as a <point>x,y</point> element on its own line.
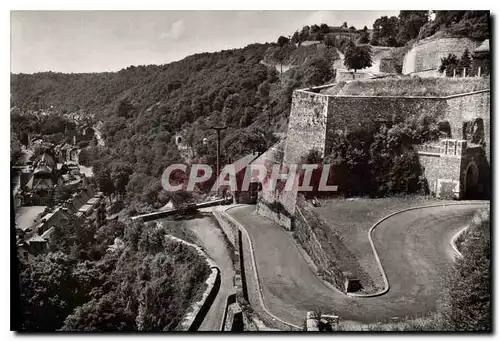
<point>352,219</point>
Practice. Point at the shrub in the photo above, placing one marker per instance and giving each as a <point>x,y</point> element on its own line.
<point>468,296</point>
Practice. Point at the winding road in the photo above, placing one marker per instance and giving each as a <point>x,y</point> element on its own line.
<point>413,246</point>
<point>211,239</point>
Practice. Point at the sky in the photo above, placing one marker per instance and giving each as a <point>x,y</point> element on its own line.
<point>95,41</point>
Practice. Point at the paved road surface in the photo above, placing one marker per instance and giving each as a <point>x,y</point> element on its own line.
<point>414,248</point>
<point>211,239</point>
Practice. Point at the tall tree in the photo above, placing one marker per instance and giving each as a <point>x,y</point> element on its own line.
<point>385,31</point>
<point>448,64</point>
<point>304,33</point>
<point>124,108</point>
<point>410,23</point>
<point>281,56</point>
<point>120,177</point>
<point>358,57</point>
<point>282,41</point>
<point>364,37</point>
<point>103,178</point>
<point>465,62</point>
<point>325,29</point>
<point>84,158</point>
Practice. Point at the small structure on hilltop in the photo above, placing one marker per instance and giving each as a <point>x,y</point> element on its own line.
<point>481,58</point>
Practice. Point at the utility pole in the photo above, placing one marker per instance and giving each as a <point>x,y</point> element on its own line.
<point>218,130</point>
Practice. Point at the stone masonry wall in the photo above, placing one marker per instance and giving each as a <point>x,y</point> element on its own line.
<point>307,123</point>
<point>443,169</point>
<point>446,168</point>
<point>427,54</point>
<point>316,117</point>
<point>308,129</point>
<point>280,219</point>
<point>467,108</point>
<point>326,248</point>
<point>348,113</point>
<point>388,65</point>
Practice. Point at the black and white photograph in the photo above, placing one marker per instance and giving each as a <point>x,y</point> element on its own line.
<point>250,171</point>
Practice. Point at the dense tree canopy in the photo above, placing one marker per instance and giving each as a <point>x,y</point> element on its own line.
<point>471,24</point>
<point>411,25</point>
<point>119,277</point>
<point>385,31</point>
<point>358,57</point>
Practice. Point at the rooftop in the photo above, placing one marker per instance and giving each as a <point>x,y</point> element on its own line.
<point>48,233</point>
<point>36,239</point>
<point>484,47</point>
<point>93,201</point>
<point>85,208</point>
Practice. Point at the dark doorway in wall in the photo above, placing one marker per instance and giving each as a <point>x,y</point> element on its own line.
<point>444,129</point>
<point>472,190</point>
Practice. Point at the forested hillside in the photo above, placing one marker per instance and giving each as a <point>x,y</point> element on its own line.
<point>119,277</point>
<point>143,107</point>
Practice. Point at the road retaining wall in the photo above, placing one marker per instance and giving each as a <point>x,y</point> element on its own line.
<point>196,314</point>
<point>326,248</point>
<point>233,316</point>
<point>233,319</point>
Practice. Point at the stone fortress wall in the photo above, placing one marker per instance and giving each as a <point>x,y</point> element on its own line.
<point>315,117</point>
<point>425,56</point>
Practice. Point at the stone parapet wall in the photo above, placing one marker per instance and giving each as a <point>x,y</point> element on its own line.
<point>235,318</point>
<point>346,75</point>
<point>197,312</point>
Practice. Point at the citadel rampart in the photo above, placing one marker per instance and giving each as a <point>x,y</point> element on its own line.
<point>425,57</point>
<point>314,117</point>
<point>454,167</point>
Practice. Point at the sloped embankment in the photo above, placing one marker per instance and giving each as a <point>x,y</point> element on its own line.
<point>327,249</point>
